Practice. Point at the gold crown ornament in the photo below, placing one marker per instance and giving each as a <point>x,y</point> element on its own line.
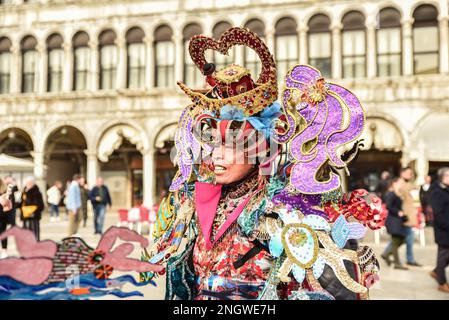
<point>233,85</point>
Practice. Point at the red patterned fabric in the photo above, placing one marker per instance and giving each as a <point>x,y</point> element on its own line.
<point>216,273</point>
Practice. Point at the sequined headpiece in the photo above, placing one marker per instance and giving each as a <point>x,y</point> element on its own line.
<point>233,84</point>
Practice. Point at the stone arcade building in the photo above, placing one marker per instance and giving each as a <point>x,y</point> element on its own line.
<point>89,86</point>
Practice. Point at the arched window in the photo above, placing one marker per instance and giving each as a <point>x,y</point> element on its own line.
<point>389,48</point>
<point>219,59</point>
<point>136,58</point>
<point>108,59</point>
<point>5,65</point>
<point>354,45</point>
<point>320,44</point>
<point>165,56</point>
<point>29,64</point>
<point>252,60</point>
<point>425,40</point>
<point>286,46</point>
<point>192,75</point>
<point>81,62</point>
<point>55,63</point>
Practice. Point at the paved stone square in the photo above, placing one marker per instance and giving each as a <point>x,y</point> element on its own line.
<point>395,284</point>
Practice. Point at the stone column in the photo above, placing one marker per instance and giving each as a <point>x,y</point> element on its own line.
<point>92,167</point>
<point>407,41</point>
<point>422,164</point>
<point>444,46</point>
<point>149,66</point>
<point>336,52</point>
<point>16,69</point>
<point>270,40</point>
<point>303,45</point>
<point>42,69</point>
<point>405,159</point>
<point>179,57</point>
<point>371,53</point>
<point>149,178</point>
<point>122,63</point>
<point>39,171</point>
<point>67,84</point>
<point>94,78</point>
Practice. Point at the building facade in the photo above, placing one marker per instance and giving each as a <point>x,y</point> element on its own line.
<point>90,86</point>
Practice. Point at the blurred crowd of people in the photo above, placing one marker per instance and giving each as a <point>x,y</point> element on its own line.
<point>397,194</point>
<point>29,202</point>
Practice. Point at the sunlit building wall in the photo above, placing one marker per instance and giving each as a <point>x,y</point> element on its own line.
<point>90,86</point>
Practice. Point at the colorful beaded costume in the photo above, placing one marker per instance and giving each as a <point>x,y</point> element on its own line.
<point>287,230</point>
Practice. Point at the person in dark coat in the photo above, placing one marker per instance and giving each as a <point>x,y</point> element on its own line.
<point>84,189</point>
<point>440,206</point>
<point>32,196</point>
<point>7,214</point>
<point>425,200</point>
<point>99,197</point>
<point>394,224</point>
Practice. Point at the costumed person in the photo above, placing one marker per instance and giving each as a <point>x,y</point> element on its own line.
<point>257,197</point>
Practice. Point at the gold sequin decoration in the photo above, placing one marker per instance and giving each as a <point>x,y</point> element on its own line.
<point>271,226</point>
<point>284,270</point>
<point>290,254</point>
<point>334,257</point>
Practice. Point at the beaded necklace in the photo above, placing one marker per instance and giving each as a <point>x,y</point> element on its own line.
<point>232,196</point>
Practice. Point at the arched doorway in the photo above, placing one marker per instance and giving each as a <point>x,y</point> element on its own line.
<point>382,151</point>
<point>432,140</point>
<point>64,154</point>
<point>165,169</point>
<point>18,147</point>
<point>16,142</point>
<point>121,165</point>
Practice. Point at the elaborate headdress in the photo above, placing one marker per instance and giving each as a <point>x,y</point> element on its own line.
<point>232,95</point>
<point>233,84</point>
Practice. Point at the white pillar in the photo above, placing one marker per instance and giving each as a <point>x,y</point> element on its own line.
<point>149,178</point>
<point>407,40</point>
<point>42,69</point>
<point>270,41</point>
<point>92,167</point>
<point>39,171</point>
<point>303,47</point>
<point>16,69</point>
<point>422,164</point>
<point>179,57</point>
<point>444,47</point>
<point>67,84</point>
<point>122,63</point>
<point>371,54</point>
<point>336,52</point>
<point>94,65</point>
<point>149,66</point>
